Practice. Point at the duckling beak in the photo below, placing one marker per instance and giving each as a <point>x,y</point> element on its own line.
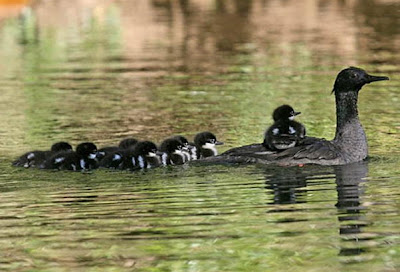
<point>296,113</point>
<point>219,143</point>
<point>370,78</point>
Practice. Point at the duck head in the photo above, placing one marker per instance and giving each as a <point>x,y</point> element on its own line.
<point>352,79</point>
<point>87,150</point>
<point>284,112</point>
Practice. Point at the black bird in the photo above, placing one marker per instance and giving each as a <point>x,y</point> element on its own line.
<point>173,153</point>
<point>123,144</point>
<point>205,143</point>
<point>113,157</point>
<point>142,155</point>
<point>37,157</point>
<point>285,132</point>
<point>82,159</point>
<point>189,149</point>
<point>350,142</point>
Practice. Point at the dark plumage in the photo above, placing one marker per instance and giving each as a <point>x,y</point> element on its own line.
<point>108,151</point>
<point>205,143</point>
<point>114,160</point>
<point>142,155</point>
<point>82,159</point>
<point>285,132</point>
<point>37,157</point>
<point>127,143</point>
<point>189,149</point>
<point>172,149</point>
<point>348,146</point>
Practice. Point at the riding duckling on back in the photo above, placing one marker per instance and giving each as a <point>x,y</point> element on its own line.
<point>285,132</point>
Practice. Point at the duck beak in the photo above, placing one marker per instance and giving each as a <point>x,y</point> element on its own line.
<point>370,78</point>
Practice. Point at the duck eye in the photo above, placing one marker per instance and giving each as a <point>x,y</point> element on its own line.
<point>353,75</point>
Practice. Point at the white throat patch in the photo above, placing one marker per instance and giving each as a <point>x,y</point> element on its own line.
<point>59,159</point>
<point>151,154</point>
<point>116,157</point>
<point>180,153</point>
<point>211,147</point>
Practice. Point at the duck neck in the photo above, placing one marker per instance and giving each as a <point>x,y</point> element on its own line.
<point>350,135</point>
<point>346,110</point>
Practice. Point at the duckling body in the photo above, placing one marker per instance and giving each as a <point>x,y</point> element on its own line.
<point>285,132</point>
<point>38,157</point>
<point>173,153</point>
<point>81,159</point>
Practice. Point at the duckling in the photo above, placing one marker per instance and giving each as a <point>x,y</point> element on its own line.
<point>123,144</point>
<point>189,149</point>
<point>285,132</point>
<point>114,158</point>
<point>82,159</point>
<point>142,155</point>
<point>205,143</point>
<point>37,157</point>
<point>173,153</point>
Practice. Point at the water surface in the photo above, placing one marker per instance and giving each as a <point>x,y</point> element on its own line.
<point>101,71</point>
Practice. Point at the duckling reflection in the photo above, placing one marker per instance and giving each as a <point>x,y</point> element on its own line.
<point>285,184</point>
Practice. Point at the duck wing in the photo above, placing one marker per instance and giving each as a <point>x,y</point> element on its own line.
<point>246,150</point>
<point>315,149</point>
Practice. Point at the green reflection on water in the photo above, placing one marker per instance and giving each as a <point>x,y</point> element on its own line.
<point>193,218</point>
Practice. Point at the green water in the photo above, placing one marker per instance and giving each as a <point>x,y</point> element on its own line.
<point>99,71</point>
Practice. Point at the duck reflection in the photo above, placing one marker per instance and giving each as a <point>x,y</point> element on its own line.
<point>349,180</point>
<point>288,186</point>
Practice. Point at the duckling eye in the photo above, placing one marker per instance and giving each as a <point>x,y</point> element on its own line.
<point>353,75</point>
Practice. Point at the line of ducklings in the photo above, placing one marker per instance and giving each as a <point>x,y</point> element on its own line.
<point>130,154</point>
